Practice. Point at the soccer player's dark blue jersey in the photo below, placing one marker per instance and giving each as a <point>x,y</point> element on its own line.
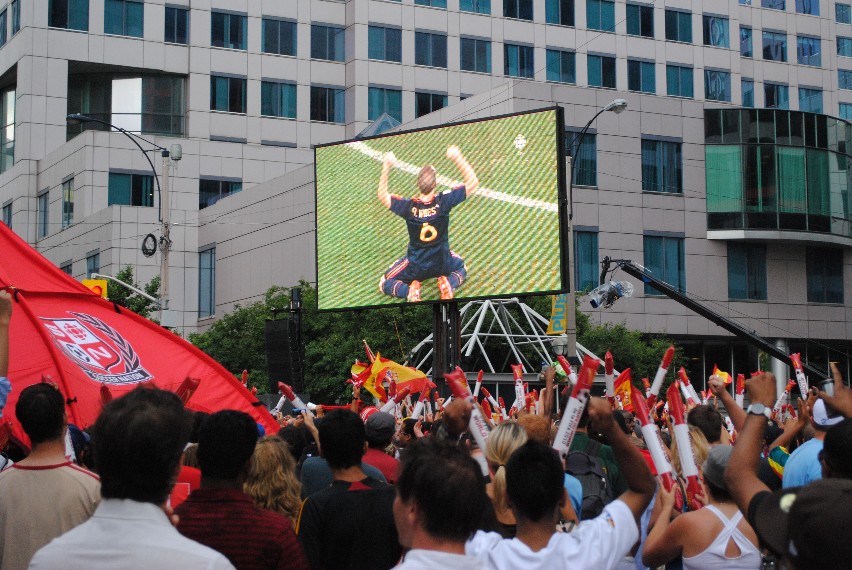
<point>428,225</point>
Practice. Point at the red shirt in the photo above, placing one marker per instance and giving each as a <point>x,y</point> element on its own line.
<point>383,462</point>
<point>229,522</point>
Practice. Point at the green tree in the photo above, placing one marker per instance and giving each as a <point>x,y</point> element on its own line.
<point>124,297</point>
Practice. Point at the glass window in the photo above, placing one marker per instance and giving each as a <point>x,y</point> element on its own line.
<point>227,94</point>
<point>278,99</point>
<point>716,31</point>
<point>518,61</point>
<point>382,100</point>
<point>810,100</point>
<point>520,9</point>
<point>16,16</point>
<point>747,271</point>
<point>3,28</point>
<point>279,37</point>
<point>585,158</point>
<point>430,49</point>
<point>773,4</point>
<point>475,6</point>
<point>641,76</point>
<point>808,7</point>
<point>776,96</point>
<point>124,18</point>
<point>7,214</point>
<point>748,92</point>
<point>824,269</point>
<point>211,191</point>
<point>67,203</point>
<point>586,263</point>
<point>842,13</point>
<point>228,30</point>
<point>207,282</point>
<point>601,71</point>
<point>662,168</point>
<point>600,15</point>
<point>432,3</point>
<point>845,111</point>
<point>679,26</point>
<point>68,14</point>
<point>640,20</point>
<point>43,213</point>
<point>131,189</point>
<point>679,81</point>
<point>559,12</point>
<point>177,25</point>
<point>67,267</point>
<point>808,51</point>
<point>844,46</point>
<point>385,44</point>
<point>746,49</point>
<point>717,85</point>
<point>774,46</point>
<point>327,104</point>
<point>664,258</point>
<point>425,103</point>
<point>327,42</point>
<point>844,78</point>
<point>7,129</point>
<point>561,66</point>
<point>475,55</point>
<point>93,263</point>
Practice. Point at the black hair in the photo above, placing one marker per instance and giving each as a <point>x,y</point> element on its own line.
<point>408,426</point>
<point>295,439</point>
<point>447,486</point>
<point>41,411</point>
<point>226,440</point>
<point>718,493</point>
<point>708,420</point>
<point>138,440</point>
<point>534,481</point>
<point>621,420</point>
<point>342,437</point>
<point>837,449</point>
<point>197,419</point>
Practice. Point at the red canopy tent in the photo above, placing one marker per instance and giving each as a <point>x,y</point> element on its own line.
<point>89,345</point>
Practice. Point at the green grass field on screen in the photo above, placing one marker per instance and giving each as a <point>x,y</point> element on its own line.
<point>508,247</point>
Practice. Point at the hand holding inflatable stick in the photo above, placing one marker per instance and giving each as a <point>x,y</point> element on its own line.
<point>576,403</point>
<point>800,374</point>
<point>421,404</point>
<point>782,399</point>
<point>457,382</point>
<point>661,375</point>
<point>740,395</point>
<point>398,397</point>
<point>297,402</point>
<point>494,403</point>
<point>684,449</point>
<point>478,383</point>
<point>652,439</point>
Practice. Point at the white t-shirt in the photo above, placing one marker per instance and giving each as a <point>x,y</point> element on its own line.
<point>434,560</point>
<point>599,543</point>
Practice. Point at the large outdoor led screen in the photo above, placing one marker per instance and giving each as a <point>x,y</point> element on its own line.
<point>467,210</point>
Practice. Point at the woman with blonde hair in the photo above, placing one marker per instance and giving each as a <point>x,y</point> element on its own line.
<point>501,444</point>
<point>272,481</point>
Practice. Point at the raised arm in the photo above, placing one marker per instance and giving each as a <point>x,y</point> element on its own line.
<point>471,182</point>
<point>387,163</point>
<point>640,483</point>
<point>842,399</point>
<point>735,412</point>
<point>741,473</point>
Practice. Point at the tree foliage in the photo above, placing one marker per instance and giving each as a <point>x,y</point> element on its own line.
<point>124,297</point>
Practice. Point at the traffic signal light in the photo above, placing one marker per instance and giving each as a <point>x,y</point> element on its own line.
<point>97,286</point>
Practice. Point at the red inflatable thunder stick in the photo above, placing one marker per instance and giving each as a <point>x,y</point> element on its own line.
<point>478,383</point>
<point>457,382</point>
<point>421,404</point>
<point>609,378</point>
<point>740,395</point>
<point>494,403</point>
<point>297,402</point>
<point>486,407</point>
<point>685,379</point>
<point>503,408</point>
<point>518,375</point>
<point>652,439</point>
<point>187,388</point>
<point>647,385</point>
<point>684,449</point>
<point>782,399</point>
<point>800,374</point>
<point>576,403</point>
<point>661,375</point>
<point>106,395</point>
<point>398,397</point>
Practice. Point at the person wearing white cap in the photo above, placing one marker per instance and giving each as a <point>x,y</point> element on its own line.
<point>804,466</point>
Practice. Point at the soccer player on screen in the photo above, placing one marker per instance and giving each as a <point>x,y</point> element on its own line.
<point>427,217</point>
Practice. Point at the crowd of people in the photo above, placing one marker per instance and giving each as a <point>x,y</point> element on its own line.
<point>154,485</point>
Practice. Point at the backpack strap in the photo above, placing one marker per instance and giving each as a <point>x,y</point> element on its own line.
<point>593,448</point>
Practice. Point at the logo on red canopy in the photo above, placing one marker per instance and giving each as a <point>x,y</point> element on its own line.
<point>97,349</point>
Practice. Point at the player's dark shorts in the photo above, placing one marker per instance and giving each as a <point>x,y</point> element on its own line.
<point>407,271</point>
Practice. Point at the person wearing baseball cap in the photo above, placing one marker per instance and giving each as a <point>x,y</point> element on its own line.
<point>379,428</point>
<point>803,466</point>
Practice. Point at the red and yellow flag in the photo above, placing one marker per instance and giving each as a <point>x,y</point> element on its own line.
<point>383,368</point>
<point>723,375</point>
<point>623,389</point>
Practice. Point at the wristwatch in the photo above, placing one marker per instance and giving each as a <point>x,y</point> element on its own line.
<point>759,410</point>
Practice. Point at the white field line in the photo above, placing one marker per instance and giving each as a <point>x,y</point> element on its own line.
<point>363,148</point>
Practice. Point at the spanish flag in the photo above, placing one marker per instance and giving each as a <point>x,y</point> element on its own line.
<point>723,375</point>
<point>383,368</point>
<point>623,389</point>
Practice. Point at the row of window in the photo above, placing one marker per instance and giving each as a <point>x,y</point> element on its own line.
<point>808,49</point>
<point>664,257</point>
<point>93,264</point>
<point>11,12</point>
<point>810,7</point>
